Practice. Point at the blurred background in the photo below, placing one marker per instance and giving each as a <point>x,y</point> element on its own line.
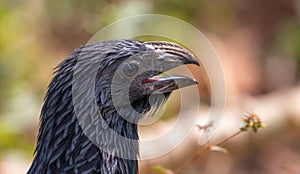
<point>258,43</point>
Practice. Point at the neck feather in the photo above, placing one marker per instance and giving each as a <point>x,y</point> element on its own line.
<point>63,145</point>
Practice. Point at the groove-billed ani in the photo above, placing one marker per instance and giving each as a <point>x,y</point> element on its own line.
<point>67,145</point>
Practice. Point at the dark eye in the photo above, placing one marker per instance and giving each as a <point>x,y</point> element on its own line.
<point>130,69</point>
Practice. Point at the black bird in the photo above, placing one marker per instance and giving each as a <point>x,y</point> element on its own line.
<point>98,94</point>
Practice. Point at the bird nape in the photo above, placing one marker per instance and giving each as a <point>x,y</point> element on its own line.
<point>88,123</point>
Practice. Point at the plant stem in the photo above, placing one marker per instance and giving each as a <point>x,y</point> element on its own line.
<point>194,158</point>
<point>202,151</point>
<point>227,138</point>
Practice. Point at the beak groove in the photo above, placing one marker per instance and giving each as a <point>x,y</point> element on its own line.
<point>174,50</point>
<point>172,55</point>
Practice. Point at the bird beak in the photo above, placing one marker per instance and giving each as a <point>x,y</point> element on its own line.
<point>167,84</point>
<point>171,56</point>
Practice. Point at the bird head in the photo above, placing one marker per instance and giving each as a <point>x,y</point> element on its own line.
<point>134,70</point>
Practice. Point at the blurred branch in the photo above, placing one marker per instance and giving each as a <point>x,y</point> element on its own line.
<point>250,121</point>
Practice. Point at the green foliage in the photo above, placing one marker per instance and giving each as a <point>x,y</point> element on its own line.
<point>161,170</point>
<point>290,40</point>
<point>12,139</point>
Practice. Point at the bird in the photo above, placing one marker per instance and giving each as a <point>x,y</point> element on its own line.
<point>100,92</point>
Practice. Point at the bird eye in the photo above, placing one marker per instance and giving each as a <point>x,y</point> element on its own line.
<point>130,69</point>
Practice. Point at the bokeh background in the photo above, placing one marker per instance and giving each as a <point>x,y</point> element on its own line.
<point>258,42</point>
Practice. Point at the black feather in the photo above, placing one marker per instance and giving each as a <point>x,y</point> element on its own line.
<point>63,145</point>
